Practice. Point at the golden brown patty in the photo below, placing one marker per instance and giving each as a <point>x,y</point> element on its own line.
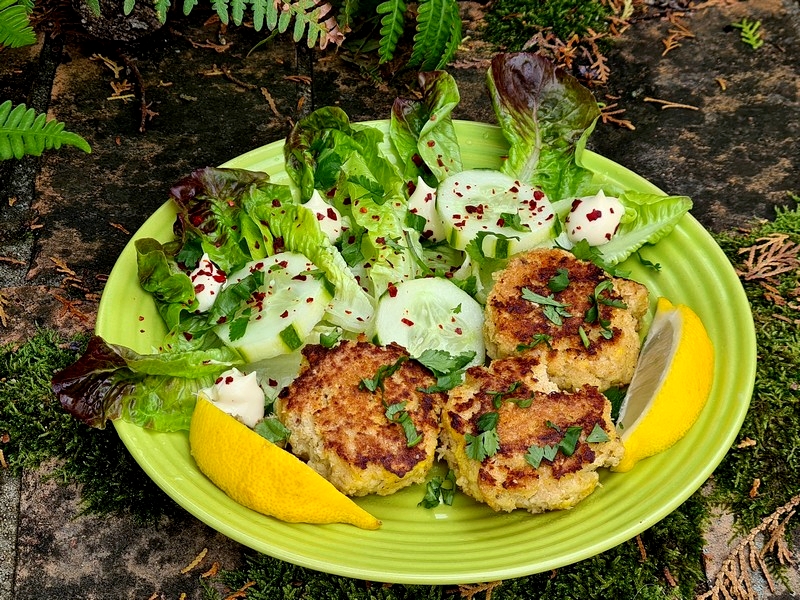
<point>342,429</point>
<point>506,480</point>
<point>581,350</point>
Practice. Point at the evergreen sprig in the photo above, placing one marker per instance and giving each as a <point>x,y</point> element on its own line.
<point>15,26</point>
<point>750,32</point>
<point>24,132</point>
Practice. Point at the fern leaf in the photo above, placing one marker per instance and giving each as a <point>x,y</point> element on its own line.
<point>23,132</point>
<point>392,22</point>
<point>221,6</point>
<point>94,6</point>
<point>347,13</point>
<point>273,8</point>
<point>455,38</point>
<point>15,27</point>
<point>161,7</point>
<point>188,5</point>
<point>437,22</point>
<point>237,11</point>
<point>259,12</point>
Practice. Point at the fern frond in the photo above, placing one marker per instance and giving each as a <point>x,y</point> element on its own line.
<point>392,23</point>
<point>259,12</point>
<point>312,21</point>
<point>15,27</point>
<point>273,8</point>
<point>23,132</point>
<point>347,13</point>
<point>94,6</point>
<point>161,7</point>
<point>221,6</point>
<point>237,11</point>
<point>436,26</point>
<point>188,5</point>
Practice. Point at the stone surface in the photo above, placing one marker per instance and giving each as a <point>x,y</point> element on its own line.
<point>212,94</point>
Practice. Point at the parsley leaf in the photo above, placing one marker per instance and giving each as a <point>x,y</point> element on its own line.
<point>397,413</point>
<point>487,442</point>
<point>273,430</point>
<point>448,368</point>
<point>375,383</point>
<point>559,282</point>
<point>538,338</point>
<point>598,434</point>
<point>513,221</point>
<point>439,491</point>
<point>553,309</point>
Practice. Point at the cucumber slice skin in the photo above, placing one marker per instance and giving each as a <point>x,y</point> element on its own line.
<point>430,313</point>
<point>478,203</point>
<point>290,298</point>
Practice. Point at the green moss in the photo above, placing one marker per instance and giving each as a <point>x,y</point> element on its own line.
<point>773,420</point>
<point>38,429</point>
<point>511,23</point>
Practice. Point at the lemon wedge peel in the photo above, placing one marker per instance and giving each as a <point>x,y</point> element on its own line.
<point>257,474</point>
<point>670,386</point>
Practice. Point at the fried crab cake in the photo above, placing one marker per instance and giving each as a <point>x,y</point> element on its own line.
<point>342,429</point>
<point>529,460</point>
<point>579,320</point>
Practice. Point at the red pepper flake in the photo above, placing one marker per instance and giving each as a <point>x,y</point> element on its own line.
<point>199,288</point>
<point>309,300</point>
<point>458,331</point>
<point>141,317</point>
<point>538,195</point>
<point>594,215</point>
<point>188,336</point>
<point>392,289</point>
<point>408,322</point>
<point>332,214</point>
<point>431,143</point>
<point>229,380</point>
<point>362,210</point>
<point>284,314</point>
<point>320,216</point>
<point>276,203</point>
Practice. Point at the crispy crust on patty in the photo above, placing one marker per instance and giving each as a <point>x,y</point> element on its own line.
<point>342,430</point>
<point>515,325</point>
<point>506,481</point>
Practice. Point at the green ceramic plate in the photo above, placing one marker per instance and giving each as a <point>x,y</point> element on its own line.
<point>468,542</point>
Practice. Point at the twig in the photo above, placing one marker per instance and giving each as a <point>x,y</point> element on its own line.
<point>670,104</point>
<point>144,107</point>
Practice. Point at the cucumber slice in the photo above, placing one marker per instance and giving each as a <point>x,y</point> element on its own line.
<point>283,312</point>
<point>502,214</point>
<point>430,314</point>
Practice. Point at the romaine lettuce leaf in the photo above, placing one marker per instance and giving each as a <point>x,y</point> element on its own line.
<point>422,131</point>
<point>546,115</point>
<point>157,391</point>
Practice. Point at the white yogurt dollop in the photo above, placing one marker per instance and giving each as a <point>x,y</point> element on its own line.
<point>422,202</point>
<point>207,279</point>
<point>329,219</point>
<point>594,219</point>
<point>237,394</point>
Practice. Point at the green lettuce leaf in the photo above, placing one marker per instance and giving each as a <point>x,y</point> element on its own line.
<point>422,131</point>
<point>546,115</point>
<point>156,391</point>
<point>210,217</point>
<point>648,219</point>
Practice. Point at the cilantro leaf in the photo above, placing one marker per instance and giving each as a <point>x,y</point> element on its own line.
<point>439,491</point>
<point>397,413</point>
<point>375,383</point>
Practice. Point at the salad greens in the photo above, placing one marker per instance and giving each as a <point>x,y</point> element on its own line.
<point>350,174</point>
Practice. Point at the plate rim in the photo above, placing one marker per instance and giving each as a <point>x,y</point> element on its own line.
<point>689,225</point>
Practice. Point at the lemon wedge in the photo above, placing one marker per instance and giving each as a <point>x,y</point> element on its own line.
<point>670,385</point>
<point>258,474</point>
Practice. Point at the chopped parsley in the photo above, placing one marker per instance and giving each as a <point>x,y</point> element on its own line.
<point>559,282</point>
<point>536,339</point>
<point>569,442</point>
<point>439,490</point>
<point>554,310</point>
<point>397,413</point>
<point>487,442</point>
